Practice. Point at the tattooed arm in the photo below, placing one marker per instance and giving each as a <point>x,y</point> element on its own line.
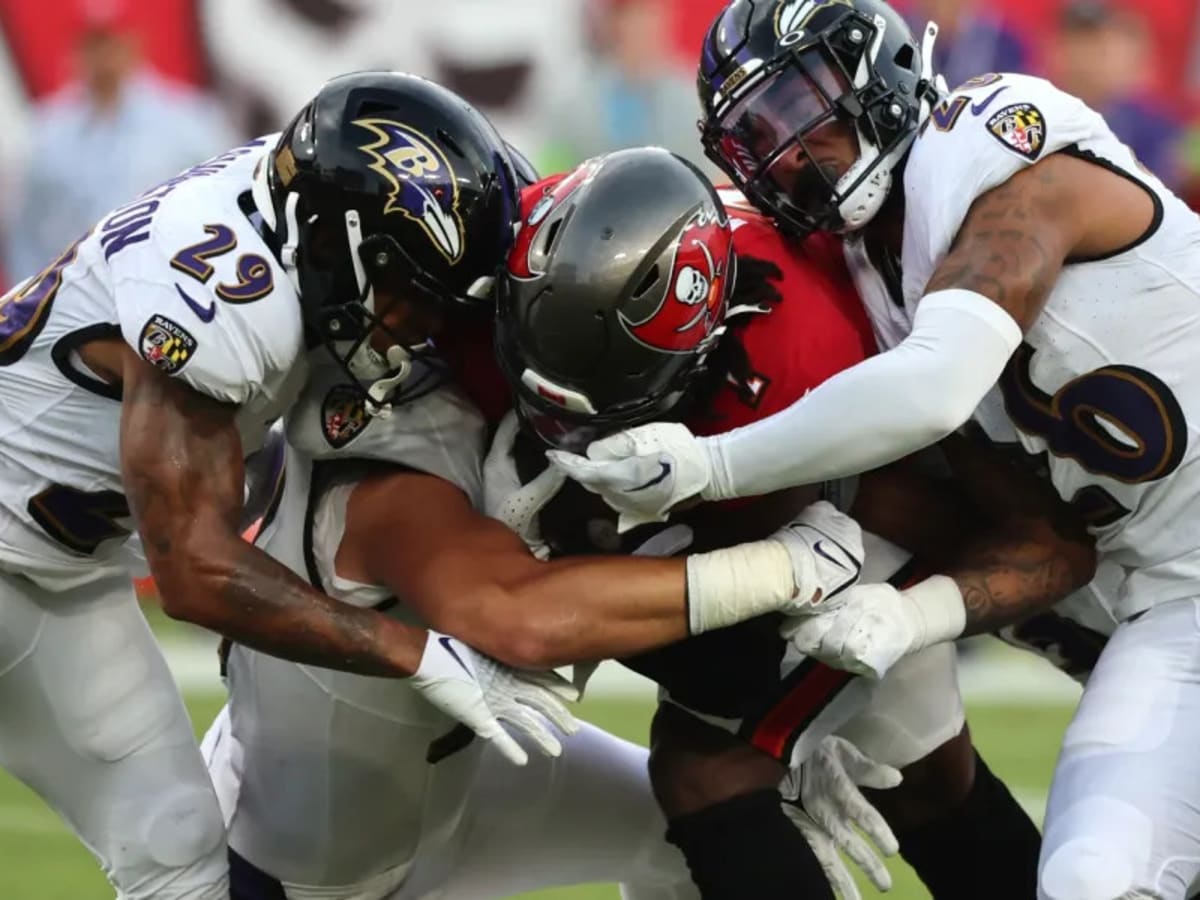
<point>1030,553</point>
<point>181,460</point>
<point>1018,571</point>
<point>1035,549</point>
<point>1017,237</point>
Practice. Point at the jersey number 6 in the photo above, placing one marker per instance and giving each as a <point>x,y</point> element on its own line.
<point>1117,421</point>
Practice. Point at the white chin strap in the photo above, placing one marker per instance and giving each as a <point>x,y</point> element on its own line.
<point>863,203</point>
<point>399,363</point>
<point>386,371</point>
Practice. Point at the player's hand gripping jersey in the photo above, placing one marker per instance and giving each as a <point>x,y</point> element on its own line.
<point>1106,375</point>
<point>183,275</point>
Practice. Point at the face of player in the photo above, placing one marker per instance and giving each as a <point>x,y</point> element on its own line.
<point>404,320</point>
<point>808,172</point>
<point>787,138</point>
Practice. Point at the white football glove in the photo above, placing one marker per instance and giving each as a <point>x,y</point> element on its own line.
<point>506,499</point>
<point>822,799</point>
<point>826,547</point>
<point>481,693</point>
<point>873,626</point>
<point>642,473</point>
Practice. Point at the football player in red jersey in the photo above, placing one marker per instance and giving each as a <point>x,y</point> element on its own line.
<point>600,329</point>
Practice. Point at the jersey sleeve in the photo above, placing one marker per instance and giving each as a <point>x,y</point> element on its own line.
<point>206,304</point>
<point>438,431</point>
<point>983,134</point>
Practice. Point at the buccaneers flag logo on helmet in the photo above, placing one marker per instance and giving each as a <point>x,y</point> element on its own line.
<point>693,305</point>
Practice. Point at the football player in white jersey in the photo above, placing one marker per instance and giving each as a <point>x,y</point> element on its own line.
<point>139,368</point>
<point>340,785</point>
<point>1021,268</point>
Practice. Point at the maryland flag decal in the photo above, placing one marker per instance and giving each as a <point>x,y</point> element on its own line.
<point>1021,128</point>
<point>166,344</point>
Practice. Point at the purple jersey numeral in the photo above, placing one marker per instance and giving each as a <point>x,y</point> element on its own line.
<point>193,260</point>
<point>254,280</point>
<point>80,520</point>
<point>24,312</point>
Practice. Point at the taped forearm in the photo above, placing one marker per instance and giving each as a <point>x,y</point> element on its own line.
<point>878,411</point>
<point>737,583</point>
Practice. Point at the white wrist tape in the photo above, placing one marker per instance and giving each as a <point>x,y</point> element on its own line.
<point>938,608</point>
<point>738,583</point>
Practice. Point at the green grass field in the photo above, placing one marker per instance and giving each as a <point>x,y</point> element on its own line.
<point>40,860</point>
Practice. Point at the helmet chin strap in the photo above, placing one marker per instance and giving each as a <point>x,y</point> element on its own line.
<point>287,249</point>
<point>865,200</point>
<point>399,362</point>
<point>386,371</point>
<point>938,81</point>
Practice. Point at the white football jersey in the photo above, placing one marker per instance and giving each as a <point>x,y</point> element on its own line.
<point>362,793</point>
<point>182,274</point>
<point>1107,381</point>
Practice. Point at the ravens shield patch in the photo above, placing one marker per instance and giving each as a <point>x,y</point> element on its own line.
<point>343,415</point>
<point>166,344</point>
<point>1021,128</point>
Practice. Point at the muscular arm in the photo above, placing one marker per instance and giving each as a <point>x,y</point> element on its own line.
<point>991,286</point>
<point>181,461</point>
<point>1017,571</point>
<point>1036,550</point>
<point>1001,532</point>
<point>472,577</point>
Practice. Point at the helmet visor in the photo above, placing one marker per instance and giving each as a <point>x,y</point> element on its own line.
<point>562,432</point>
<point>766,140</point>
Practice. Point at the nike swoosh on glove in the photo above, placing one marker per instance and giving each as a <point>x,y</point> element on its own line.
<point>822,799</point>
<point>642,473</point>
<point>481,693</point>
<point>826,547</point>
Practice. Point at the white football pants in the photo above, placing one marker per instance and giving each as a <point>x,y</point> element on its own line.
<point>91,719</point>
<point>588,816</point>
<point>1123,820</point>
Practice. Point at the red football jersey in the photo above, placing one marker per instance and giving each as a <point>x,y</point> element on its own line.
<point>819,329</point>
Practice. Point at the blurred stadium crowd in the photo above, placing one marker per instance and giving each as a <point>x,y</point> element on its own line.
<point>102,98</point>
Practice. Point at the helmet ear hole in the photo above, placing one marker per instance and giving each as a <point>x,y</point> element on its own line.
<point>646,283</point>
<point>906,58</point>
<point>547,242</point>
